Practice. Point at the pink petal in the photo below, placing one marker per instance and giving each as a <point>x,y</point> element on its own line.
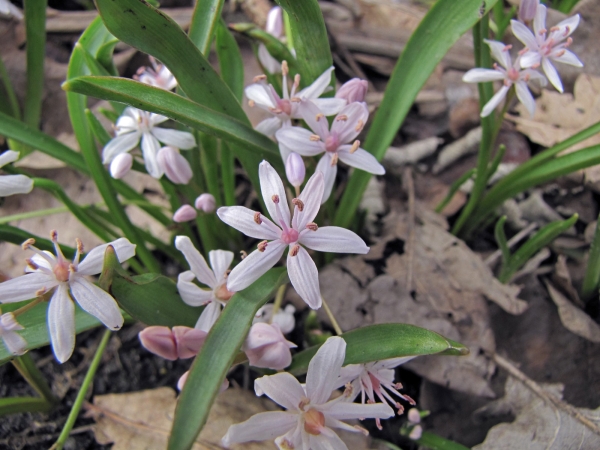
<point>159,340</point>
<point>525,96</point>
<point>15,184</point>
<point>539,21</point>
<point>61,323</point>
<point>566,27</point>
<point>25,287</point>
<point>254,266</point>
<point>196,261</point>
<point>318,86</point>
<point>120,144</point>
<point>304,276</point>
<point>271,186</point>
<point>261,95</point>
<point>567,57</point>
<point>297,139</point>
<point>150,147</point>
<point>96,302</point>
<point>175,138</point>
<point>347,411</point>
<point>530,59</point>
<point>311,197</point>
<point>500,53</point>
<point>314,118</point>
<point>242,219</point>
<point>494,101</point>
<point>323,370</point>
<point>347,130</point>
<point>189,341</point>
<point>482,75</point>
<point>329,106</point>
<point>329,172</point>
<point>552,74</point>
<point>335,240</point>
<point>209,316</point>
<point>524,34</point>
<point>190,293</point>
<point>94,259</point>
<point>260,427</point>
<point>361,159</point>
<point>282,388</point>
<point>8,156</point>
<point>268,127</point>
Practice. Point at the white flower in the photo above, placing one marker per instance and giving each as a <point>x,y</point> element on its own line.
<point>14,343</point>
<point>543,46</point>
<point>282,234</point>
<point>214,278</point>
<point>8,9</point>
<point>158,76</point>
<point>510,74</point>
<point>375,379</point>
<point>309,419</point>
<point>13,184</point>
<point>274,27</point>
<point>337,143</point>
<point>265,346</point>
<point>285,108</point>
<point>136,124</point>
<point>47,272</point>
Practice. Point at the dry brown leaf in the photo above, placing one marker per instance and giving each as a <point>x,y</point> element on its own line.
<point>539,424</point>
<point>573,318</point>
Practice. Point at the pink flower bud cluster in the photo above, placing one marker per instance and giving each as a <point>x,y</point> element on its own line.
<point>205,203</point>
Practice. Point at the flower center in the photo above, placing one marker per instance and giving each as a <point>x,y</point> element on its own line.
<point>332,143</point>
<point>289,236</point>
<point>222,293</point>
<point>61,271</point>
<point>513,74</point>
<point>314,421</point>
<point>285,106</point>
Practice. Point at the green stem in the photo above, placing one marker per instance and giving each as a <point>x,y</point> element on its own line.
<point>35,29</point>
<point>28,370</point>
<point>87,381</point>
<point>12,98</point>
<point>334,323</point>
<point>15,405</point>
<point>228,174</point>
<point>32,304</point>
<point>278,299</point>
<point>591,281</point>
<point>32,214</point>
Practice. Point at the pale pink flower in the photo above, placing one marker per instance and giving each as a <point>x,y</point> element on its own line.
<point>121,165</point>
<point>286,233</point>
<point>8,9</point>
<point>174,165</point>
<point>13,184</point>
<point>374,380</point>
<point>266,347</point>
<point>285,108</point>
<point>205,203</point>
<point>69,278</point>
<point>337,142</point>
<point>179,343</point>
<point>9,326</point>
<point>527,10</point>
<point>414,418</point>
<point>135,125</point>
<point>295,170</point>
<point>509,74</point>
<point>354,90</point>
<point>310,418</point>
<point>184,213</point>
<point>214,278</point>
<point>274,27</point>
<point>542,46</point>
<point>158,76</point>
<point>284,317</point>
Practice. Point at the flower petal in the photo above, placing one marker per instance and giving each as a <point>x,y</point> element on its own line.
<point>329,441</point>
<point>8,156</point>
<point>15,184</point>
<point>335,240</point>
<point>323,370</point>
<point>61,323</point>
<point>304,276</point>
<point>268,127</point>
<point>311,197</point>
<point>120,144</point>
<point>196,261</point>
<point>156,119</point>
<point>260,427</point>
<point>254,266</point>
<point>539,21</point>
<point>567,57</point>
<point>565,28</point>
<point>260,94</point>
<point>190,293</point>
<point>14,342</point>
<point>26,287</point>
<point>150,147</point>
<point>209,316</point>
<point>357,115</point>
<point>500,53</point>
<point>524,34</point>
<point>329,106</point>
<point>314,118</point>
<point>269,63</point>
<point>175,138</point>
<point>348,374</point>
<point>525,96</point>
<point>346,411</point>
<point>494,101</point>
<point>552,74</point>
<point>220,260</point>
<point>361,159</point>
<point>318,87</point>
<point>96,302</point>
<point>530,58</point>
<point>329,172</point>
<point>94,260</point>
<point>242,219</point>
<point>297,139</point>
<point>270,186</point>
<point>482,75</point>
<point>283,388</point>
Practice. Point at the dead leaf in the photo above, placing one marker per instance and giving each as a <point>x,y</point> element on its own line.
<point>573,318</point>
<point>562,279</point>
<point>539,424</point>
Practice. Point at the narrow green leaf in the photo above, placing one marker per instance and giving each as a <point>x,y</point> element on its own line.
<point>17,236</point>
<point>230,60</point>
<point>35,30</point>
<point>14,405</point>
<point>385,341</point>
<point>454,187</point>
<point>204,22</point>
<point>591,281</point>
<point>214,360</point>
<point>105,56</point>
<point>98,130</point>
<point>434,442</point>
<point>501,240</point>
<point>443,25</point>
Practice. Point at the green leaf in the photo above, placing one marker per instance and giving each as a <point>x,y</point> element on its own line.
<point>501,240</point>
<point>591,281</point>
<point>214,360</point>
<point>36,329</point>
<point>385,341</point>
<point>105,56</point>
<point>434,442</point>
<point>309,36</point>
<point>204,22</point>
<point>443,25</point>
<point>17,236</point>
<point>35,29</point>
<point>230,60</point>
<point>14,405</point>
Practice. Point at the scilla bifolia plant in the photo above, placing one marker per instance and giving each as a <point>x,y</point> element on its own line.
<point>181,122</point>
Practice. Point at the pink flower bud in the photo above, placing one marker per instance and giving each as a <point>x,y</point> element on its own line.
<point>174,165</point>
<point>205,203</point>
<point>416,433</point>
<point>184,378</point>
<point>353,90</point>
<point>414,416</point>
<point>121,165</point>
<point>275,22</point>
<point>184,214</point>
<point>266,347</point>
<point>188,341</point>
<point>295,169</point>
<point>527,10</point>
<point>160,341</point>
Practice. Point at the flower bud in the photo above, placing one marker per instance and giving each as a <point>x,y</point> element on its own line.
<point>184,378</point>
<point>184,214</point>
<point>14,343</point>
<point>295,169</point>
<point>160,341</point>
<point>284,317</point>
<point>174,165</point>
<point>266,347</point>
<point>121,165</point>
<point>353,90</point>
<point>205,203</point>
<point>188,341</point>
<point>414,416</point>
<point>527,10</point>
<point>275,22</point>
<point>416,433</point>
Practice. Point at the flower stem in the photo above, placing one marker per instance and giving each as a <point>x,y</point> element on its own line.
<point>10,92</point>
<point>28,370</point>
<point>278,300</point>
<point>29,305</point>
<point>89,377</point>
<point>334,323</point>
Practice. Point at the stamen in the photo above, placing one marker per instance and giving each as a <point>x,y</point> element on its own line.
<point>262,246</point>
<point>295,249</point>
<point>527,76</point>
<point>348,389</point>
<point>361,430</point>
<point>258,78</point>
<point>398,385</point>
<point>319,116</point>
<point>284,68</point>
<point>334,159</point>
<point>522,52</point>
<point>40,292</point>
<point>555,29</point>
<point>495,66</point>
<point>315,137</point>
<point>275,198</point>
<point>28,243</point>
<point>257,218</point>
<point>296,99</point>
<point>303,402</point>
<point>54,236</point>
<point>543,31</point>
<point>569,41</point>
<point>79,245</point>
<point>410,400</point>
<point>31,264</point>
<point>535,66</point>
<point>299,204</point>
<point>297,80</point>
<point>359,126</point>
<point>355,146</point>
<point>343,117</point>
<point>251,103</point>
<point>243,254</point>
<point>567,30</point>
<point>507,48</point>
<point>276,110</point>
<point>312,226</point>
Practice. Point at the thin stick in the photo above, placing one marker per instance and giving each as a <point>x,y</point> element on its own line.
<point>409,186</point>
<point>538,390</point>
<point>278,300</point>
<point>334,323</point>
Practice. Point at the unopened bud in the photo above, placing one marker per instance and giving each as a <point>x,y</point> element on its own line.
<point>275,22</point>
<point>527,10</point>
<point>205,203</point>
<point>184,214</point>
<point>160,341</point>
<point>414,416</point>
<point>353,90</point>
<point>121,165</point>
<point>184,378</point>
<point>266,347</point>
<point>416,433</point>
<point>188,341</point>
<point>295,169</point>
<point>175,166</point>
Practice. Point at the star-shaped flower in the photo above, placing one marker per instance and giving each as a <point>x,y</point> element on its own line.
<point>543,46</point>
<point>135,125</point>
<point>214,278</point>
<point>158,76</point>
<point>47,272</point>
<point>13,184</point>
<point>310,417</point>
<point>285,233</point>
<point>337,142</point>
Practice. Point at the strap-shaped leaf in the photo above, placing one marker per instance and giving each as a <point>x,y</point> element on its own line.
<point>443,25</point>
<point>214,360</point>
<point>207,14</point>
<point>384,341</point>
<point>230,60</point>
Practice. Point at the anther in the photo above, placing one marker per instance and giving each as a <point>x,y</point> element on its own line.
<point>258,78</point>
<point>299,204</point>
<point>28,243</point>
<point>72,268</point>
<point>495,66</point>
<point>297,79</point>
<point>312,226</point>
<point>262,246</point>
<point>535,66</point>
<point>348,389</point>
<point>543,31</point>
<point>284,68</point>
<point>294,251</point>
<point>343,117</point>
<point>319,116</point>
<point>410,400</point>
<point>303,402</point>
<point>275,198</point>
<point>296,100</point>
<point>243,254</point>
<point>567,30</point>
<point>54,236</point>
<point>361,430</point>
<point>40,292</point>
<point>79,245</point>
<point>556,29</point>
<point>334,159</point>
<point>31,264</point>
<point>276,110</point>
<point>359,126</point>
<point>569,42</point>
<point>251,103</point>
<point>315,137</point>
<point>257,218</point>
<point>398,386</point>
<point>507,48</point>
<point>355,146</point>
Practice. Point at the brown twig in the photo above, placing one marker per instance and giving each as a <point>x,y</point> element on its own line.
<point>409,187</point>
